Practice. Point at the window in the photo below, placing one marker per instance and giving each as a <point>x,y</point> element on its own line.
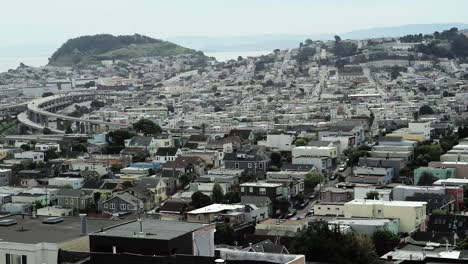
<point>105,205</point>
<point>112,206</point>
<point>71,201</point>
<point>66,201</point>
<point>15,259</point>
<point>83,202</point>
<point>236,165</point>
<point>123,207</point>
<point>251,189</point>
<point>129,207</point>
<point>242,189</point>
<point>250,165</point>
<point>379,211</point>
<point>262,190</point>
<point>260,165</point>
<point>328,208</point>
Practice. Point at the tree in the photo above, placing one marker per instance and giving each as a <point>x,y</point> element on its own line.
<point>200,200</point>
<point>50,154</point>
<point>96,198</point>
<point>224,234</point>
<point>67,186</point>
<point>426,110</point>
<point>79,148</point>
<point>395,72</point>
<point>427,153</point>
<point>276,157</point>
<point>300,142</point>
<point>312,179</point>
<point>354,154</point>
<point>337,38</point>
<point>320,243</point>
<point>147,127</point>
<point>372,195</point>
<point>384,241</point>
<point>46,131</point>
<point>218,194</point>
<point>127,184</point>
<point>38,204</point>
<point>116,140</point>
<point>426,179</point>
<point>97,104</point>
<point>281,206</point>
<point>232,197</point>
<point>308,42</point>
<point>25,147</point>
<point>115,168</point>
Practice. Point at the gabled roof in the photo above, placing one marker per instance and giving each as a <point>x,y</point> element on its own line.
<point>174,206</point>
<point>109,185</point>
<point>163,151</point>
<point>73,192</point>
<point>267,246</point>
<point>127,197</point>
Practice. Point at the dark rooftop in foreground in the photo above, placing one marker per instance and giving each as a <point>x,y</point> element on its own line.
<point>32,231</point>
<point>153,229</point>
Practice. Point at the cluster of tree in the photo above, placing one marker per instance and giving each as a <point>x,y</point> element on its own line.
<point>412,38</point>
<point>147,127</point>
<point>320,243</point>
<point>116,140</point>
<point>344,48</point>
<point>312,179</point>
<point>448,142</point>
<point>426,179</point>
<point>426,110</point>
<point>395,72</point>
<point>305,54</point>
<point>426,153</point>
<point>99,44</point>
<point>301,142</point>
<point>200,200</point>
<point>458,44</point>
<point>384,241</point>
<point>372,195</point>
<point>47,94</point>
<point>79,111</point>
<point>95,104</point>
<point>353,154</point>
<point>463,132</point>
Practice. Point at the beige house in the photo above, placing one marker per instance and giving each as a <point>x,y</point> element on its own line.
<point>411,214</point>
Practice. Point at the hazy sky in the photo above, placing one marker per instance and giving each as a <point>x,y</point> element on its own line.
<point>54,21</point>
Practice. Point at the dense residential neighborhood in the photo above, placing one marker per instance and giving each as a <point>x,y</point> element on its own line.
<point>339,151</point>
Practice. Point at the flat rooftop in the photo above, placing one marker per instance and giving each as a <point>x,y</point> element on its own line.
<point>32,231</point>
<point>386,203</point>
<point>215,208</point>
<point>153,229</point>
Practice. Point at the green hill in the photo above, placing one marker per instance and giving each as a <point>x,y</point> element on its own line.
<point>92,49</point>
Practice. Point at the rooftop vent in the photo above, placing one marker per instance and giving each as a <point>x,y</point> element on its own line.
<point>53,220</point>
<point>8,222</point>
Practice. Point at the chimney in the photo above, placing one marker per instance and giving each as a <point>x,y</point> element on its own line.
<point>84,225</point>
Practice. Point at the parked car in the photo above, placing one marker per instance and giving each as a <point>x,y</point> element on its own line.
<point>332,177</point>
<point>310,212</point>
<point>304,204</point>
<point>313,196</point>
<point>291,213</point>
<point>342,167</point>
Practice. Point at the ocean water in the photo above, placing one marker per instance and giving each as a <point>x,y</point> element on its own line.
<point>7,63</point>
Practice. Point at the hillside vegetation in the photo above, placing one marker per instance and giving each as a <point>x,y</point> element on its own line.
<point>92,49</point>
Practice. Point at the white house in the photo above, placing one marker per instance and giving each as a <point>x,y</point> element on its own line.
<point>33,155</point>
<point>5,177</point>
<point>75,183</point>
<point>46,146</point>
